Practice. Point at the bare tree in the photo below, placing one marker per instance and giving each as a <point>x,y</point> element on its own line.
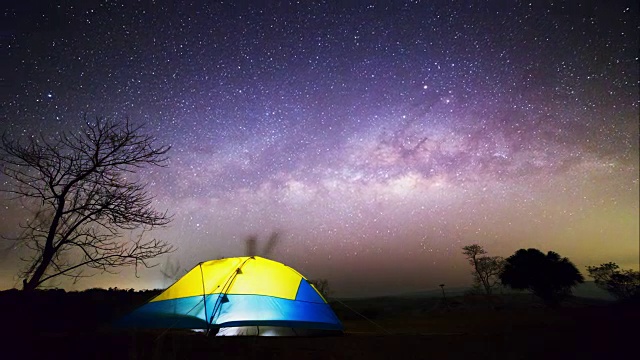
<point>82,188</point>
<point>622,284</point>
<point>444,297</point>
<point>486,269</point>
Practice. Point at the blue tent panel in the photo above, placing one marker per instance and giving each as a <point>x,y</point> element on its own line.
<point>307,293</point>
<point>238,310</point>
<point>267,310</point>
<point>182,313</point>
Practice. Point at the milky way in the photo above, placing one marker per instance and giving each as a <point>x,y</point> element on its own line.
<point>376,140</point>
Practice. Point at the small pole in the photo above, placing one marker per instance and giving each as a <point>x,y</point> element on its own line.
<point>444,297</point>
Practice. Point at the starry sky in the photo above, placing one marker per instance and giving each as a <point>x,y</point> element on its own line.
<point>375,138</point>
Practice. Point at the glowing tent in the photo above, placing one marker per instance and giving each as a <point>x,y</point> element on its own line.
<point>239,296</point>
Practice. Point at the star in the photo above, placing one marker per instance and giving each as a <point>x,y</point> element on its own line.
<point>376,141</point>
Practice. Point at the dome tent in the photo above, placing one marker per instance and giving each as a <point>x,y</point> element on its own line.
<point>239,296</point>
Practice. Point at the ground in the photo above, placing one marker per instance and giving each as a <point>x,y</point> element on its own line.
<point>466,327</point>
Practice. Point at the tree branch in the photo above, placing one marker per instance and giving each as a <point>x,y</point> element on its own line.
<point>80,180</point>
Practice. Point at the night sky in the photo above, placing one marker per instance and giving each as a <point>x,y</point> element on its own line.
<point>375,139</point>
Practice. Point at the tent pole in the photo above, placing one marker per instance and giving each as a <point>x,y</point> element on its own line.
<point>224,290</point>
<point>204,299</point>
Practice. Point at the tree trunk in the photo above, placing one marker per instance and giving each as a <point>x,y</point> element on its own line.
<point>48,252</point>
<point>484,284</point>
<point>34,281</point>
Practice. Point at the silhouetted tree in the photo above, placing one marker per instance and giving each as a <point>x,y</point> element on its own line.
<point>550,277</point>
<point>82,187</point>
<point>622,284</point>
<point>485,268</point>
<point>444,297</point>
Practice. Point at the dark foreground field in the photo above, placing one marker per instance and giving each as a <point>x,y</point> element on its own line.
<point>76,326</point>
